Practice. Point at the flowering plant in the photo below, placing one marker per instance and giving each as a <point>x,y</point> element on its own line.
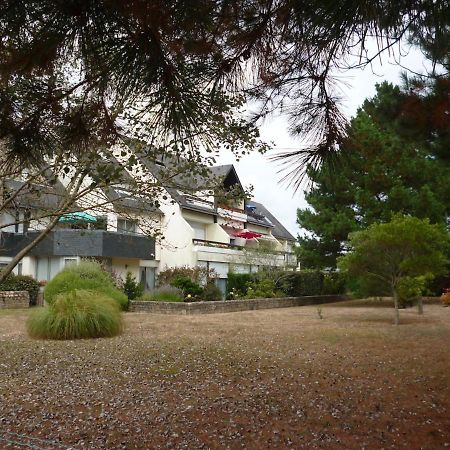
<point>445,297</point>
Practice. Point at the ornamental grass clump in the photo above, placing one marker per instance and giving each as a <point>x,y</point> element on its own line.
<point>78,314</point>
<point>88,275</point>
<point>163,294</point>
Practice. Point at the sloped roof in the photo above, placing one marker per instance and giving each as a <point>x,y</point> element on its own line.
<point>35,196</point>
<point>183,183</point>
<point>188,182</point>
<point>221,171</point>
<point>279,230</point>
<point>124,198</point>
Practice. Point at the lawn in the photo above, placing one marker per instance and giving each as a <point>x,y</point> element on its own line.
<point>257,380</point>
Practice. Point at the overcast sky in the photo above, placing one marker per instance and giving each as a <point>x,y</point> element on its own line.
<point>257,170</point>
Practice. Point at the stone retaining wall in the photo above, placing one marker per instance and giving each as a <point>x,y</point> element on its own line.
<point>231,305</point>
<point>14,299</point>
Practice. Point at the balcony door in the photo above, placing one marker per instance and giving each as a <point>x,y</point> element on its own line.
<point>147,278</point>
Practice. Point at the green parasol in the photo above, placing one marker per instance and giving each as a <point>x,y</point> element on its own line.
<point>77,217</point>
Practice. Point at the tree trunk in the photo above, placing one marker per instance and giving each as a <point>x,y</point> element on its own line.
<point>420,306</point>
<point>397,313</point>
<point>13,263</point>
<point>66,202</point>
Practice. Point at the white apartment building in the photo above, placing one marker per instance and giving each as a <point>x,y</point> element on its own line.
<point>198,229</point>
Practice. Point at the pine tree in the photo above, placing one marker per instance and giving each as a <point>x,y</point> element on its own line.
<point>386,169</point>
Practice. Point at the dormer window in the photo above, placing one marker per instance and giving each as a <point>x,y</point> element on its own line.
<point>126,226</point>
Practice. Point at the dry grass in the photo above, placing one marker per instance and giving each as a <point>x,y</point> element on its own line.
<point>256,380</point>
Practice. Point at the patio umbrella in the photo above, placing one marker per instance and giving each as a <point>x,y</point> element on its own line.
<point>77,217</point>
<point>248,234</point>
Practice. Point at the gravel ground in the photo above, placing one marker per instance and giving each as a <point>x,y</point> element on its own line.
<point>273,379</point>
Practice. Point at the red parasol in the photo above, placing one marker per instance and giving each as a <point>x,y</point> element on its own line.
<point>248,234</point>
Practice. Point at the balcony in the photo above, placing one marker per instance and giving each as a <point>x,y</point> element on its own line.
<point>84,243</point>
<point>232,213</point>
<point>223,252</point>
<point>215,244</point>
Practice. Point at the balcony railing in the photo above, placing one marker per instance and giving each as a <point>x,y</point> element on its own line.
<point>289,257</point>
<point>196,201</point>
<point>85,243</point>
<point>216,244</point>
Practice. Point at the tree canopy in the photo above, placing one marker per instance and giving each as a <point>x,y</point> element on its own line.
<point>386,254</point>
<point>78,74</point>
<point>394,161</point>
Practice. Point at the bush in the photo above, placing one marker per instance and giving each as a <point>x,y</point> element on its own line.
<point>445,297</point>
<point>211,292</point>
<point>334,283</point>
<point>163,294</point>
<point>21,283</point>
<point>78,314</point>
<point>131,287</point>
<point>188,287</point>
<point>437,285</point>
<point>237,284</point>
<point>264,288</point>
<point>199,275</point>
<point>298,284</point>
<point>87,275</point>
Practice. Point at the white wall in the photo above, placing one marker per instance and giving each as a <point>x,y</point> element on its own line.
<point>215,232</point>
<point>9,219</point>
<point>123,265</point>
<point>177,248</point>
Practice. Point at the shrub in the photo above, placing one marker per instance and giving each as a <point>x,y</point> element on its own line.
<point>87,275</point>
<point>131,287</point>
<point>438,284</point>
<point>188,287</point>
<point>27,283</point>
<point>305,282</point>
<point>163,294</point>
<point>264,288</point>
<point>211,292</point>
<point>77,314</point>
<point>199,275</point>
<point>22,283</point>
<point>334,283</point>
<point>237,284</point>
<point>445,297</point>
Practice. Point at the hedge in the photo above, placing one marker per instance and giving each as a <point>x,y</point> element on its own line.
<point>21,283</point>
<point>291,284</point>
<point>299,284</point>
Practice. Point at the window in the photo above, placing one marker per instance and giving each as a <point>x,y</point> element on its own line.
<point>100,224</point>
<point>70,262</point>
<point>126,226</point>
<point>199,229</point>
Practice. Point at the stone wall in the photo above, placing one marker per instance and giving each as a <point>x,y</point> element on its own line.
<point>231,305</point>
<point>14,299</point>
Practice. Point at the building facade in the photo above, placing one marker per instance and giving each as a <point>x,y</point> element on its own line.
<point>195,228</point>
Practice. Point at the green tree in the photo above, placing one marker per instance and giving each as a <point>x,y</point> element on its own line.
<point>385,256</point>
<point>131,287</point>
<point>385,169</point>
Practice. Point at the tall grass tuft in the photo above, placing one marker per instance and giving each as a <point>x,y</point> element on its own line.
<point>163,294</point>
<point>88,275</point>
<point>78,314</point>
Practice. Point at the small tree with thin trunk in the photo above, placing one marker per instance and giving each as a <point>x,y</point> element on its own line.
<point>385,254</point>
